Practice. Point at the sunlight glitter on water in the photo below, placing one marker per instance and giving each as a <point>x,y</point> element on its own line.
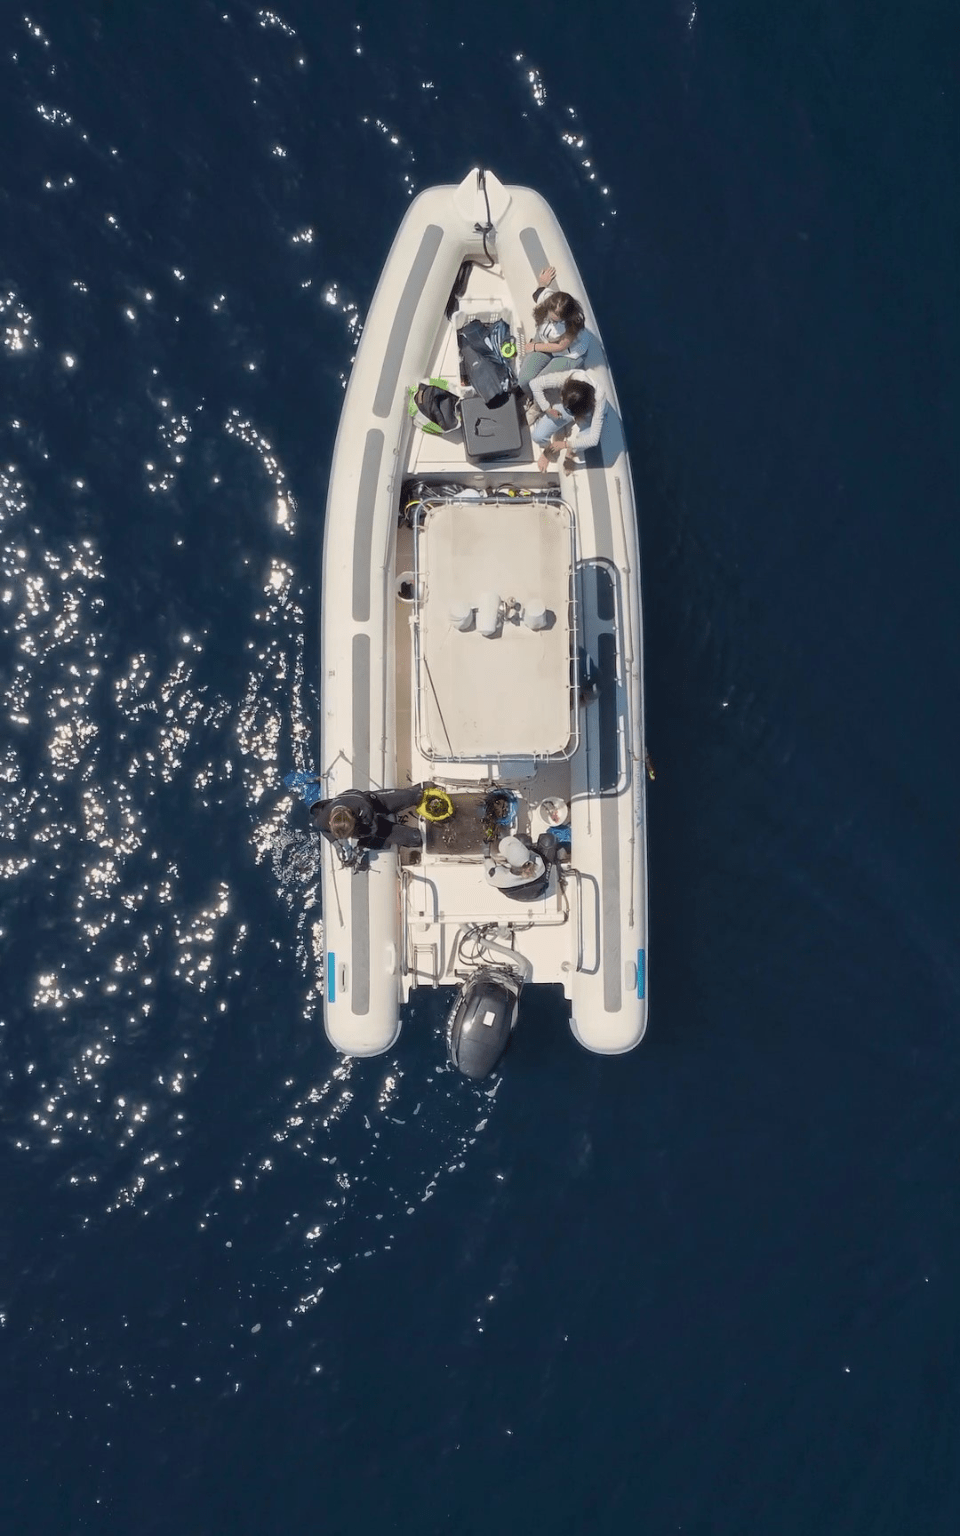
<point>17,324</point>
<point>418,1134</point>
<point>53,610</point>
<point>143,949</point>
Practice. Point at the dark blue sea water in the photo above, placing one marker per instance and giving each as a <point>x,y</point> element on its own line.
<point>710,1287</point>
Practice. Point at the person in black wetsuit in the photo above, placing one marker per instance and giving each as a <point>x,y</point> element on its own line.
<point>370,816</point>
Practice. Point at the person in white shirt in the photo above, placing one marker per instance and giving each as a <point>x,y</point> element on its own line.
<point>575,424</point>
<point>560,341</point>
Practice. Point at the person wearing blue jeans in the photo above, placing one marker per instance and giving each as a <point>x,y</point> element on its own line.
<point>560,341</point>
<point>575,424</point>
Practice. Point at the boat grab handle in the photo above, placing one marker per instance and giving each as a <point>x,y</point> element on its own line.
<point>590,970</point>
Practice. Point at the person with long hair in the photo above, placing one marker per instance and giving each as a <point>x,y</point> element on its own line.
<point>572,426</point>
<point>559,342</point>
<point>371,817</point>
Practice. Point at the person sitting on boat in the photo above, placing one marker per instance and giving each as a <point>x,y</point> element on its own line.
<point>560,341</point>
<point>369,817</point>
<point>575,424</point>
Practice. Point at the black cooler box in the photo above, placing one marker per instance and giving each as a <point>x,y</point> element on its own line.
<point>491,431</point>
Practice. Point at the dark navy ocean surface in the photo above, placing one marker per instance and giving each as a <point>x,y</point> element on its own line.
<point>713,1286</point>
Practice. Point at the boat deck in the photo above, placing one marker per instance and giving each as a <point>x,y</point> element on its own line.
<point>507,693</point>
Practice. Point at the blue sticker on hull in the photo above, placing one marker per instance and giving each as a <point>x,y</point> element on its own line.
<point>331,978</point>
<point>641,972</point>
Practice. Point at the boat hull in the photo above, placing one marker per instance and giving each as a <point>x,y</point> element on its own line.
<point>371,962</point>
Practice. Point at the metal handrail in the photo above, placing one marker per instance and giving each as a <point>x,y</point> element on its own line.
<point>576,875</point>
<point>572,870</point>
<point>404,968</point>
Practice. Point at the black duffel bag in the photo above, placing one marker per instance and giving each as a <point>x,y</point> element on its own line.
<point>482,360</point>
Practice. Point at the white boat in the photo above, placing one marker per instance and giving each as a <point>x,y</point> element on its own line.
<point>481,633</point>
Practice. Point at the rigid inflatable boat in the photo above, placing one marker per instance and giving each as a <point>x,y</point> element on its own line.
<point>482,651</point>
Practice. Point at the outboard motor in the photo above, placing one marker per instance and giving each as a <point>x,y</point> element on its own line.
<point>482,1019</point>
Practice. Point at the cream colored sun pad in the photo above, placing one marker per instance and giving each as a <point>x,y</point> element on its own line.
<point>508,694</point>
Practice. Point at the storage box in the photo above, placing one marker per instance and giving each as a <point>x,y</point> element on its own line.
<point>491,432</point>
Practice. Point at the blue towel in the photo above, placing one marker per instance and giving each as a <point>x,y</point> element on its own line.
<point>306,786</point>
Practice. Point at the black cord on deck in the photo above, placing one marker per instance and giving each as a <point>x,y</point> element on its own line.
<point>485,229</point>
<point>457,291</point>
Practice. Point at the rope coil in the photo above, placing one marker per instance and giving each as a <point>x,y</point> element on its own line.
<point>436,805</point>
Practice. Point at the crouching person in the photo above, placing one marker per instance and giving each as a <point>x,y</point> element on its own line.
<point>369,817</point>
<point>574,424</point>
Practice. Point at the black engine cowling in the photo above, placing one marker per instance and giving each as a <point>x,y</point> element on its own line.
<point>481,1021</point>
